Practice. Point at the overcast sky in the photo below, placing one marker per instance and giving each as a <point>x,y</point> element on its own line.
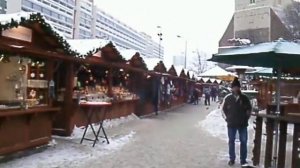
<point>201,22</point>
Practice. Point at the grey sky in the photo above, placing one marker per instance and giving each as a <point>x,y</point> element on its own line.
<point>201,22</point>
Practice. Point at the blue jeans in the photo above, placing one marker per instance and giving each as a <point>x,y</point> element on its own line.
<point>243,135</point>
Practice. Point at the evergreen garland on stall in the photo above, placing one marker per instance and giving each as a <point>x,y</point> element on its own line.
<point>38,18</point>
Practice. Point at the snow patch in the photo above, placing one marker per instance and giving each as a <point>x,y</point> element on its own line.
<point>215,125</point>
<point>70,154</point>
<point>109,123</point>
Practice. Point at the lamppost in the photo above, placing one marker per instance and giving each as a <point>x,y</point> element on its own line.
<point>159,34</point>
<point>185,51</point>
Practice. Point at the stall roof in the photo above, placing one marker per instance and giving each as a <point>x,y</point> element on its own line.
<point>236,67</point>
<point>215,72</point>
<point>263,71</point>
<point>128,53</point>
<point>29,19</point>
<point>87,46</point>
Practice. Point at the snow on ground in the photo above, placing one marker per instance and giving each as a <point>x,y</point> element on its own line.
<point>78,131</point>
<point>67,152</point>
<point>214,124</point>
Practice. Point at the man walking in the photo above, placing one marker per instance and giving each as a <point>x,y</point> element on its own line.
<point>237,110</point>
<point>207,96</point>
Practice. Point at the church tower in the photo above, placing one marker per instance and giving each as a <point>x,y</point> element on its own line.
<point>257,20</point>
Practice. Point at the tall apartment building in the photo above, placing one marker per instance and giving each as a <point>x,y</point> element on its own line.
<point>257,20</point>
<point>81,19</point>
<point>3,6</point>
<point>60,12</point>
<point>84,19</point>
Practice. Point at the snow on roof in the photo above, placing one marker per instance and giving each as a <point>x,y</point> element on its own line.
<point>262,71</point>
<point>216,71</point>
<point>218,81</point>
<point>205,79</point>
<point>280,47</point>
<point>235,67</point>
<point>84,46</point>
<point>6,18</point>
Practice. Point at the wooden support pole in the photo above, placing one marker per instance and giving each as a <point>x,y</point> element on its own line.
<point>296,147</point>
<point>257,141</point>
<point>282,144</point>
<point>68,98</point>
<point>269,143</point>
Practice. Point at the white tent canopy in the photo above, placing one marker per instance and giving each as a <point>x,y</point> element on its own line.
<point>216,72</point>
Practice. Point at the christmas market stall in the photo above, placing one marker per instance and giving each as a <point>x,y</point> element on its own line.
<point>101,78</point>
<point>177,86</point>
<point>140,83</point>
<point>31,51</point>
<point>282,103</point>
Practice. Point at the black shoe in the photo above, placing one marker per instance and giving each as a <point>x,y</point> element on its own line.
<point>244,164</point>
<point>231,163</point>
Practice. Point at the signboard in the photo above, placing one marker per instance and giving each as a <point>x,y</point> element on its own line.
<point>20,33</point>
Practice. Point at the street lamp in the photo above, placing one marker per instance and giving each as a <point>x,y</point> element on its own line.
<point>159,34</point>
<point>185,50</point>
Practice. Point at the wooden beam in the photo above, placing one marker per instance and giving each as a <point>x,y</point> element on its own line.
<point>257,141</point>
<point>282,144</point>
<point>269,143</point>
<point>296,147</point>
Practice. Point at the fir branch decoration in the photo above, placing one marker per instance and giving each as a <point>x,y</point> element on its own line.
<point>46,27</point>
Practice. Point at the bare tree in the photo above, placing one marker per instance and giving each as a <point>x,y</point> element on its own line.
<point>292,13</point>
<point>199,63</point>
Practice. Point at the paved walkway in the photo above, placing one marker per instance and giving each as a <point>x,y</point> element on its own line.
<point>170,140</point>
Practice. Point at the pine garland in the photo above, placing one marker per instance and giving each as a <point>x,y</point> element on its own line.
<point>47,28</point>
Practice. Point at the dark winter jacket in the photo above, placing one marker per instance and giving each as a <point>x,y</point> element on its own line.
<point>237,111</point>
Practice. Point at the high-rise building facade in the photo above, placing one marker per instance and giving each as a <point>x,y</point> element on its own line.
<point>257,20</point>
<point>93,22</point>
<point>178,60</point>
<point>82,19</point>
<point>60,12</point>
<point>3,6</point>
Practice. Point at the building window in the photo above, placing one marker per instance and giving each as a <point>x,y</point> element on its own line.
<point>252,1</point>
<point>37,8</point>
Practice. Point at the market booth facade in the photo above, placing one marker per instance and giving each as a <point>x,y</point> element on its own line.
<point>30,50</point>
<point>281,102</point>
<point>103,76</point>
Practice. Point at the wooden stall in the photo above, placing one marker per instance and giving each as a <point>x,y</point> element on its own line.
<point>177,98</point>
<point>30,52</point>
<point>289,115</point>
<point>103,76</point>
<point>183,86</point>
